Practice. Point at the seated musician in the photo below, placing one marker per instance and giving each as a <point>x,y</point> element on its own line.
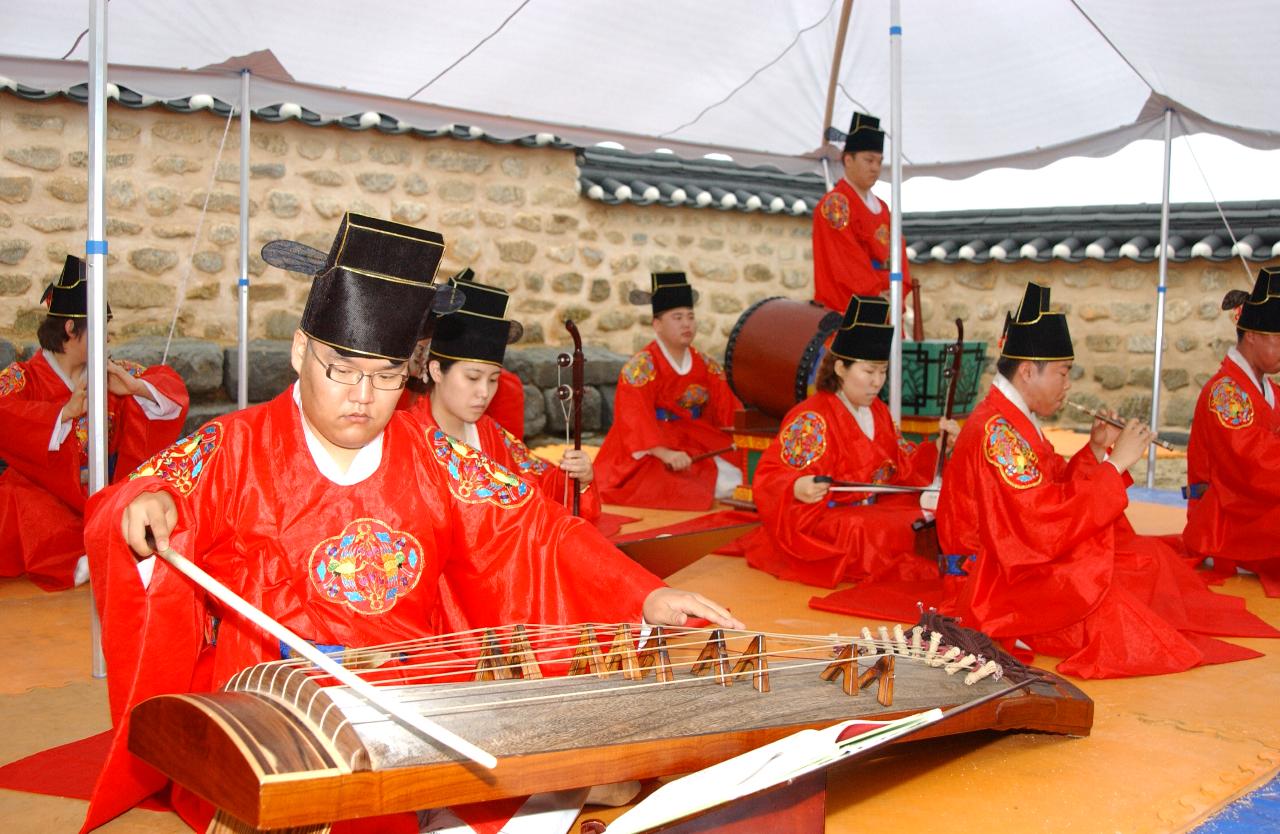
<point>843,433</point>
<point>463,365</point>
<point>341,517</point>
<point>672,406</point>
<point>1233,460</point>
<point>1051,560</point>
<point>45,441</point>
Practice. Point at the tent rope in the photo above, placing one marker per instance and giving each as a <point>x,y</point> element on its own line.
<point>1186,138</point>
<point>464,56</point>
<point>195,240</point>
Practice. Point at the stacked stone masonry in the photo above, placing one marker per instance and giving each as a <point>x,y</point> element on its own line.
<point>514,215</point>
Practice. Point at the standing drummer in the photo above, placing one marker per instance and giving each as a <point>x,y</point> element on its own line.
<point>851,225</point>
<point>339,516</point>
<point>1050,559</point>
<point>672,406</point>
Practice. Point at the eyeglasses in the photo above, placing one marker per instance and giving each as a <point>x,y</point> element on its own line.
<point>382,380</point>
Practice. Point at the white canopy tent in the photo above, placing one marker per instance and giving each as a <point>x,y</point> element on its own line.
<point>987,83</point>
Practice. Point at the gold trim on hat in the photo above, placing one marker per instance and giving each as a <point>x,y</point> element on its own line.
<point>378,276</point>
<point>351,224</point>
<point>399,360</point>
<point>1070,358</point>
<point>849,358</point>
<point>433,352</point>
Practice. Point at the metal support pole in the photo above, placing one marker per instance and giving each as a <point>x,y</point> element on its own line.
<point>242,330</point>
<point>826,172</point>
<point>1160,295</point>
<point>895,210</point>
<point>95,251</point>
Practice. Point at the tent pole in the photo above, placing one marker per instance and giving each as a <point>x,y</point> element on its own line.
<point>826,172</point>
<point>895,210</point>
<point>1160,296</point>
<point>842,29</point>
<point>95,250</point>
<point>242,330</point>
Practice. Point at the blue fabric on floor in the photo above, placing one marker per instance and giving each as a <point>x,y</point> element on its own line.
<point>1168,497</point>
<point>1254,812</point>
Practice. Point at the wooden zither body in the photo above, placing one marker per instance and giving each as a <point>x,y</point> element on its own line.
<point>279,748</point>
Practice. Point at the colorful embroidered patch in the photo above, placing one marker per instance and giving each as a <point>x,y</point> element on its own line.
<point>527,462</point>
<point>713,367</point>
<point>12,380</point>
<point>639,370</point>
<point>133,368</point>
<point>882,234</point>
<point>1231,404</point>
<point>835,210</point>
<point>368,566</point>
<point>906,446</point>
<point>803,440</point>
<point>184,462</point>
<point>1011,455</point>
<point>884,473</point>
<point>473,477</point>
<point>693,397</point>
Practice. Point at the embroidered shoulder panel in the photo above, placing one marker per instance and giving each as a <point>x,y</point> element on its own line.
<point>713,367</point>
<point>475,478</point>
<point>368,567</point>
<point>1011,455</point>
<point>884,473</point>
<point>526,462</point>
<point>639,370</point>
<point>906,446</point>
<point>133,368</point>
<point>12,380</point>
<point>835,210</point>
<point>1230,403</point>
<point>803,440</point>
<point>184,462</point>
<point>693,397</point>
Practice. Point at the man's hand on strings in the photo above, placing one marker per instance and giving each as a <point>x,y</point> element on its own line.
<point>150,512</point>
<point>808,491</point>
<point>577,465</point>
<point>668,606</point>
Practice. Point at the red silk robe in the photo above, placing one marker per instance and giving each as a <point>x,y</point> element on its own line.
<point>821,544</point>
<point>507,405</point>
<point>655,406</point>
<point>438,539</point>
<point>1057,565</point>
<point>851,249</point>
<point>1235,450</point>
<point>503,447</point>
<point>42,493</point>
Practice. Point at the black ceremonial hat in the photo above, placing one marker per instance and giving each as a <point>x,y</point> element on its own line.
<point>1035,333</point>
<point>865,333</point>
<point>373,293</point>
<point>669,291</point>
<point>1260,312</point>
<point>69,295</point>
<point>864,134</point>
<point>479,331</point>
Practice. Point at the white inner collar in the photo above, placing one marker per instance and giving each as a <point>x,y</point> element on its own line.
<point>52,359</point>
<point>1237,357</point>
<point>365,463</point>
<point>683,366</point>
<point>861,415</point>
<point>1005,387</point>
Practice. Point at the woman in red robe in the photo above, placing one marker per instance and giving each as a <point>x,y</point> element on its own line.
<point>843,432</point>
<point>45,440</point>
<point>463,365</point>
<point>1233,459</point>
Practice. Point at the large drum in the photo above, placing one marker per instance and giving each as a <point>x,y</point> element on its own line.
<point>774,350</point>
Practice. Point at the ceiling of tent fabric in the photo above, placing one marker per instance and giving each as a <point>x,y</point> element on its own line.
<point>985,83</point>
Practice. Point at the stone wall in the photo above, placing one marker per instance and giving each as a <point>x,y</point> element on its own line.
<point>514,214</point>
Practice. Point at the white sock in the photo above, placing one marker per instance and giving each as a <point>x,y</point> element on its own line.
<point>81,575</point>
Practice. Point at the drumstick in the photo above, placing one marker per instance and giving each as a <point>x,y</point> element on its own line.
<point>716,453</point>
<point>358,685</point>
<point>852,486</point>
<point>1111,421</point>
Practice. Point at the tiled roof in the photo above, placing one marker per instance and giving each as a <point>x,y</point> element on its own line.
<point>1073,234</point>
<point>1102,233</point>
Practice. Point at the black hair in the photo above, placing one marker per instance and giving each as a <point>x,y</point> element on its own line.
<point>1008,368</point>
<point>52,332</point>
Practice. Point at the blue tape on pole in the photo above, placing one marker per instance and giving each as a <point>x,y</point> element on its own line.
<point>243,282</point>
<point>895,30</point>
<point>95,247</point>
<point>895,276</point>
<point>1161,290</point>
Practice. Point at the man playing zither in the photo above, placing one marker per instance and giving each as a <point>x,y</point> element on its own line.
<point>1233,459</point>
<point>45,440</point>
<point>343,519</point>
<point>1049,556</point>
<point>672,405</point>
